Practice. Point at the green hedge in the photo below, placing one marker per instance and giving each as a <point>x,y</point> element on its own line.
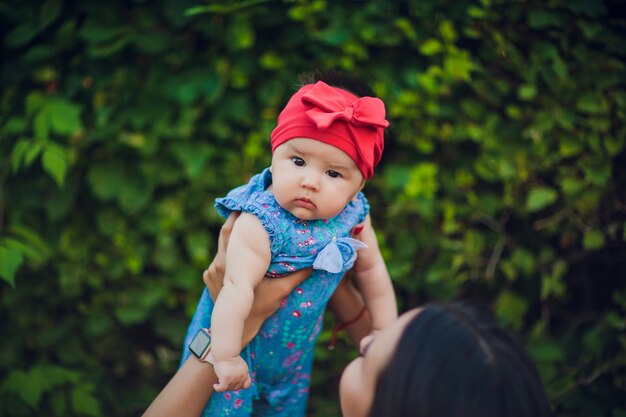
<point>120,122</point>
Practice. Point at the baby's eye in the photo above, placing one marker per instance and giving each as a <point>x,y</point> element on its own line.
<point>333,174</point>
<point>298,161</point>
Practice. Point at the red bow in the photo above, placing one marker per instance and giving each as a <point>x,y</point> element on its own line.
<point>365,119</point>
<point>330,105</point>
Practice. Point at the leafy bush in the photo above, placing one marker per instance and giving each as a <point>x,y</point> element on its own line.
<point>121,122</point>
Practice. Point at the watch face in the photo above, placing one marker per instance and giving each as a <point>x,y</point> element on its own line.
<point>200,343</point>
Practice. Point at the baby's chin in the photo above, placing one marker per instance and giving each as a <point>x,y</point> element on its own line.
<point>303,214</point>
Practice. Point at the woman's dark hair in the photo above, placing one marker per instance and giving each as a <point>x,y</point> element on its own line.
<point>453,361</point>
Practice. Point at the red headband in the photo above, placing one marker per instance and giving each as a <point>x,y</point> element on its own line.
<point>336,117</point>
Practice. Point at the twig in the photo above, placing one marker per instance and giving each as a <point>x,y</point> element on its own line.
<point>552,220</point>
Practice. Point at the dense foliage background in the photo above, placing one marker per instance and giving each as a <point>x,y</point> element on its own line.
<point>120,122</point>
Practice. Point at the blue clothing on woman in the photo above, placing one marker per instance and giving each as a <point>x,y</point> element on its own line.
<point>280,357</point>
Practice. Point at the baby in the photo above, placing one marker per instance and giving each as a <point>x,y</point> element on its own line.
<point>296,214</point>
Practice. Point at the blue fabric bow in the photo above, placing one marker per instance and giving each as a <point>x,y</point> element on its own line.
<point>338,255</point>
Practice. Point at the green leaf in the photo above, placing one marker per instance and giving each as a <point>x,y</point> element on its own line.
<point>597,172</point>
<point>31,238</point>
<point>10,261</point>
<point>58,403</point>
<point>21,35</point>
<point>524,261</point>
<point>193,156</point>
<point>569,147</point>
<point>241,34</point>
<point>131,314</point>
<point>447,31</point>
<point>55,162</point>
<point>591,103</point>
<point>64,117</point>
<point>545,351</point>
<point>93,31</point>
<point>527,92</point>
<point>50,10</point>
<point>422,181</point>
<point>57,375</point>
<point>18,153</point>
<point>591,8</point>
<point>34,102</point>
<point>539,19</point>
<point>223,8</point>
<point>593,240</point>
<point>41,125</point>
<point>431,47</point>
<point>552,283</point>
<point>271,60</point>
<point>614,144</point>
<point>510,309</point>
<point>84,402</point>
<point>14,126</point>
<point>572,186</point>
<point>20,383</point>
<point>32,152</point>
<point>540,197</point>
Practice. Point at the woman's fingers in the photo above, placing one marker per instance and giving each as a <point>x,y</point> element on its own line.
<point>356,230</point>
<point>225,231</point>
<point>213,277</point>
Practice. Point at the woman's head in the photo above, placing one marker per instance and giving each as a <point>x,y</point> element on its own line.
<point>444,360</point>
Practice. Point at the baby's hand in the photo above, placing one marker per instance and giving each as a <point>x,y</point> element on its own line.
<point>232,374</point>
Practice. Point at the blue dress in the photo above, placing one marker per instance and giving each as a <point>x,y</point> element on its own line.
<point>280,357</point>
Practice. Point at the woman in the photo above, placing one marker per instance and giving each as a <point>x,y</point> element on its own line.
<point>443,360</point>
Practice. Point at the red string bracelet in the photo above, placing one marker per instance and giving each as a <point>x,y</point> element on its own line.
<point>340,326</point>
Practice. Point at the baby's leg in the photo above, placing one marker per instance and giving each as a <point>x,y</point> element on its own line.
<point>230,404</point>
<point>287,399</point>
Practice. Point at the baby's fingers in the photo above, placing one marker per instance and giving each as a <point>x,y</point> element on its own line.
<point>225,384</point>
<point>234,385</point>
<point>247,382</point>
<point>220,387</point>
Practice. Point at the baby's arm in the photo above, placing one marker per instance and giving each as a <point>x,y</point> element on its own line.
<point>373,280</point>
<point>247,260</point>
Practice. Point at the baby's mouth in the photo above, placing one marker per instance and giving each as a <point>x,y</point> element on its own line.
<point>305,203</point>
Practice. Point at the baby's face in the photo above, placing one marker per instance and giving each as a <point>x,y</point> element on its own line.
<point>313,180</point>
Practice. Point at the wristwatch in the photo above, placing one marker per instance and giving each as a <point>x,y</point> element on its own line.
<point>200,345</point>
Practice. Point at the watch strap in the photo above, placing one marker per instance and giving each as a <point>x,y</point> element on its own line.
<point>208,357</point>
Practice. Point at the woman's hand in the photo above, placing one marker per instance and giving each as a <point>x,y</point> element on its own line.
<point>268,295</point>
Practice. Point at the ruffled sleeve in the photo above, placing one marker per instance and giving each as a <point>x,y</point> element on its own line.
<point>255,199</point>
<point>362,207</point>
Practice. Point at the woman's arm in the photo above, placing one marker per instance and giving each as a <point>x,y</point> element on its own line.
<point>190,388</point>
<point>186,394</point>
